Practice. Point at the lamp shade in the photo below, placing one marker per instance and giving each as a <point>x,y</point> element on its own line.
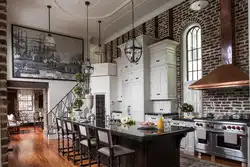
<point>133,51</point>
<point>49,41</point>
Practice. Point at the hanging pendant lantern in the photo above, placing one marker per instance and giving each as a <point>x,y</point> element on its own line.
<point>133,49</point>
<point>87,67</point>
<point>100,50</point>
<point>49,40</point>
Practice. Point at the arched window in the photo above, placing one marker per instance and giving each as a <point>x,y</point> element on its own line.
<point>194,66</point>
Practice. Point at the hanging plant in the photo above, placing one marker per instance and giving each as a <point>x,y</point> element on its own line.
<point>187,107</point>
<point>78,103</point>
<point>79,77</point>
<point>78,90</point>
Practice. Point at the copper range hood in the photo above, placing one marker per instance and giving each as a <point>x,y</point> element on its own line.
<point>226,75</point>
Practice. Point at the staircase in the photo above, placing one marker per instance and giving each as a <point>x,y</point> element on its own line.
<point>61,110</point>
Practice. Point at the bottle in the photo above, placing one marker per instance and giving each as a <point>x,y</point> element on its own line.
<point>160,123</point>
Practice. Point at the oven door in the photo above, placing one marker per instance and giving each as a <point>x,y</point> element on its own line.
<point>236,152</point>
<point>203,145</point>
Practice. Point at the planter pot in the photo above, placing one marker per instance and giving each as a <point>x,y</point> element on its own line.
<point>188,115</point>
<point>89,101</point>
<point>77,114</point>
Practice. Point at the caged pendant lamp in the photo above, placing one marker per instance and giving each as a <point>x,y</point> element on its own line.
<point>100,51</point>
<point>49,40</point>
<point>133,50</point>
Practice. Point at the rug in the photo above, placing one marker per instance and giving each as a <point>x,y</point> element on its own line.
<point>188,161</point>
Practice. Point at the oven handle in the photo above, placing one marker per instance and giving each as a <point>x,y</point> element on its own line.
<point>218,131</point>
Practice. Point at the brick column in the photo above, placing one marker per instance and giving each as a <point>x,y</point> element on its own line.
<point>3,85</point>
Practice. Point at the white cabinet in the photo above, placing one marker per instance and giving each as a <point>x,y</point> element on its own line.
<point>161,87</point>
<point>163,70</point>
<point>162,106</point>
<point>187,143</point>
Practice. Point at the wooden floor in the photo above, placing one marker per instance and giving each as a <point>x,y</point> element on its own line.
<point>31,149</point>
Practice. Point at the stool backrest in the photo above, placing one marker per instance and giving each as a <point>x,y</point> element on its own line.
<point>69,126</point>
<point>104,136</point>
<point>83,129</point>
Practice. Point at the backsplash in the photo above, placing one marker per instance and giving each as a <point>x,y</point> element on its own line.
<point>226,100</point>
<point>215,101</point>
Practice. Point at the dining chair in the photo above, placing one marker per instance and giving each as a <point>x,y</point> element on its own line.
<point>86,141</point>
<point>72,136</point>
<point>112,151</point>
<point>60,136</point>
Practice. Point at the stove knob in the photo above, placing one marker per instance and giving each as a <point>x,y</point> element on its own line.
<point>201,125</point>
<point>233,127</point>
<point>197,124</point>
<point>224,127</point>
<point>238,128</point>
<point>242,128</point>
<point>229,127</point>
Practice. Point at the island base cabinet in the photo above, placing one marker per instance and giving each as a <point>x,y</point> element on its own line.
<point>164,151</point>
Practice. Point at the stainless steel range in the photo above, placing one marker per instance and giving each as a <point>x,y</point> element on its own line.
<point>222,138</point>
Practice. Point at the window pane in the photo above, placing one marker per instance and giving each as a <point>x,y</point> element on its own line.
<point>195,75</point>
<point>199,39</point>
<point>194,39</point>
<point>199,65</point>
<point>189,42</point>
<point>199,53</point>
<point>190,66</point>
<point>195,54</point>
<point>199,75</point>
<point>190,55</point>
<point>190,76</point>
<point>195,65</point>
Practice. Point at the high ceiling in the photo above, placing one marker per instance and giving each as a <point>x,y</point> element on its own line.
<point>68,16</point>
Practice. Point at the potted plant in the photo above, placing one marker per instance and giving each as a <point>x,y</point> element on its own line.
<point>78,91</point>
<point>187,109</point>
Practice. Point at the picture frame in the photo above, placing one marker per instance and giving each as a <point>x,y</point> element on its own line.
<point>32,59</point>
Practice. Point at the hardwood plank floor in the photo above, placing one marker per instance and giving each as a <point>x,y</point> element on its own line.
<point>31,149</point>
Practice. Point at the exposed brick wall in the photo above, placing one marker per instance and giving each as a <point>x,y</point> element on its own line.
<point>3,85</point>
<point>209,20</point>
<point>163,25</point>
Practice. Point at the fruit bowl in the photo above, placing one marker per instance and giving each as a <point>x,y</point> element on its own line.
<point>146,125</point>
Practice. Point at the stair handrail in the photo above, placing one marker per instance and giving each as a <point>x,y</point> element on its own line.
<point>63,98</point>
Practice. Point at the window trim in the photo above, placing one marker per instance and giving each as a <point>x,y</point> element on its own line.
<point>189,29</point>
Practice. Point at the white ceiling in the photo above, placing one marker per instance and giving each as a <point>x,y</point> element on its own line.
<point>68,16</point>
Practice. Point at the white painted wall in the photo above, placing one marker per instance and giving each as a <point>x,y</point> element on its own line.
<point>57,89</point>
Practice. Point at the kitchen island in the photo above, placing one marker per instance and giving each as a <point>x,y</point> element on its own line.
<point>154,148</point>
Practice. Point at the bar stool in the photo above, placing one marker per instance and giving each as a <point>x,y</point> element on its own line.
<point>112,151</point>
<point>72,135</point>
<point>86,141</point>
<point>60,135</point>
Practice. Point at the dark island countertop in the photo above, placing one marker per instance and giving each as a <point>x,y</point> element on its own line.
<point>132,132</point>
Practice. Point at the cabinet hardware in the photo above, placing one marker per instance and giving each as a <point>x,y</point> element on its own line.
<point>136,78</point>
<point>153,118</point>
<point>157,60</point>
<point>136,63</point>
<point>126,79</point>
<point>126,66</point>
<point>158,93</point>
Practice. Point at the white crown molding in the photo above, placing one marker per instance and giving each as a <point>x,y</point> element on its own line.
<point>142,20</point>
<point>122,5</point>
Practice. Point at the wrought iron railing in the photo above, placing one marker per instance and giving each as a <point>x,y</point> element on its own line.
<point>61,110</point>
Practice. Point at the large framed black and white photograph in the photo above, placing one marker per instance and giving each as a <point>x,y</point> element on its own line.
<point>33,58</point>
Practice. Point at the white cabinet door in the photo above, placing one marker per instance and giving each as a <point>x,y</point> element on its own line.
<point>183,143</point>
<point>155,83</point>
<point>126,93</point>
<point>119,89</point>
<point>137,102</point>
<point>163,82</point>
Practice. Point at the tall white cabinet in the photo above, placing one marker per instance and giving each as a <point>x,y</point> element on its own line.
<point>133,81</point>
<point>163,70</point>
